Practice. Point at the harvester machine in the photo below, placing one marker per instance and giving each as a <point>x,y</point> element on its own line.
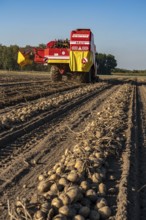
<point>74,57</point>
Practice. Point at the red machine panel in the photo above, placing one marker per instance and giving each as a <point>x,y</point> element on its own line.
<point>57,53</point>
<point>39,55</point>
<point>80,39</point>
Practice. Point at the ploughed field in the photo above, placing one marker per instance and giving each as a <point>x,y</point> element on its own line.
<point>70,150</point>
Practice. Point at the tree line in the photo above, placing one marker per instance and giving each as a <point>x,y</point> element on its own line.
<point>106,63</point>
<point>8,61</point>
<point>120,70</point>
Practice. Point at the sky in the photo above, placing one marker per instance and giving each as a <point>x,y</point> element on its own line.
<point>119,26</point>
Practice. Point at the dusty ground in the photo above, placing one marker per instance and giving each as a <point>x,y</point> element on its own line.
<point>39,120</point>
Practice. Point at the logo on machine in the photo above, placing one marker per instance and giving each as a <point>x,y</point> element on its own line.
<point>81,35</point>
<point>84,60</point>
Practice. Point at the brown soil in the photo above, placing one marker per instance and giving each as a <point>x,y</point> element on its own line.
<point>33,146</point>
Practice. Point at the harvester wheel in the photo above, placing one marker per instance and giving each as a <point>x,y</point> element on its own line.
<point>85,77</point>
<point>55,74</point>
<point>93,75</point>
<point>69,76</point>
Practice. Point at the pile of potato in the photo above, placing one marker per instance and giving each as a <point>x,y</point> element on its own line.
<point>76,186</point>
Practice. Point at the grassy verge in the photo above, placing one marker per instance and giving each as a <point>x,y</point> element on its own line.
<point>130,74</point>
<point>23,72</point>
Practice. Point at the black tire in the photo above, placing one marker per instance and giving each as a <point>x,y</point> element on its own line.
<point>55,74</point>
<point>93,75</point>
<point>69,76</point>
<point>97,79</point>
<point>82,77</point>
<point>85,77</point>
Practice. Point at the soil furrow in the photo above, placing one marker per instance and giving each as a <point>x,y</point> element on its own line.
<point>110,119</point>
<point>60,136</point>
<point>108,143</point>
<point>52,118</point>
<point>142,152</point>
<point>132,184</point>
<point>39,117</point>
<point>7,99</point>
<point>35,97</point>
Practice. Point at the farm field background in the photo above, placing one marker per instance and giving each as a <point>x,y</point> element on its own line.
<point>76,151</point>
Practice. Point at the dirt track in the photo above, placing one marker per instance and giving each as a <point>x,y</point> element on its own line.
<point>39,120</point>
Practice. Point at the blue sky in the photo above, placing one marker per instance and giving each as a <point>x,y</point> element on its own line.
<point>119,26</point>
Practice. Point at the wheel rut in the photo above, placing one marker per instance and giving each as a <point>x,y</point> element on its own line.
<point>141,157</point>
<point>131,186</point>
